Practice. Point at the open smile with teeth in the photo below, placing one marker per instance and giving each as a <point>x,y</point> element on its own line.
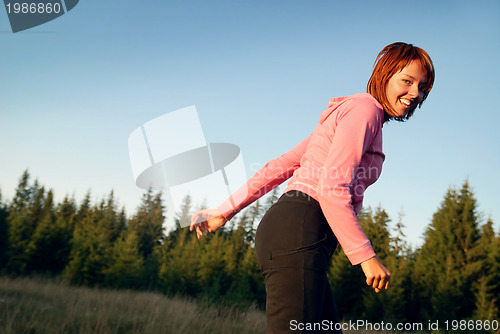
<point>405,102</point>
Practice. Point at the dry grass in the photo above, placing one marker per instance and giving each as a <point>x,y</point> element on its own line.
<point>30,306</point>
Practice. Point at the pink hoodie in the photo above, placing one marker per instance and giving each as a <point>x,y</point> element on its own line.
<point>334,165</point>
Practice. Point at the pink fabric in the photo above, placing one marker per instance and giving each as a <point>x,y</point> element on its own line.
<point>334,165</point>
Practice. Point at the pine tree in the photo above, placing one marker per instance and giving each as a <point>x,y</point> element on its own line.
<point>487,287</point>
<point>19,230</point>
<point>52,240</point>
<point>37,242</point>
<point>495,260</point>
<point>94,233</point>
<point>357,300</point>
<point>212,277</point>
<point>400,304</point>
<point>126,262</point>
<point>59,242</point>
<point>4,239</point>
<point>24,216</point>
<point>247,283</point>
<point>236,244</point>
<point>148,223</point>
<point>399,299</point>
<point>447,260</point>
<point>179,263</point>
<point>394,304</point>
<point>84,210</point>
<point>23,193</point>
<point>179,257</point>
<point>375,226</point>
<point>398,242</point>
<point>43,243</point>
<point>111,223</point>
<point>347,282</point>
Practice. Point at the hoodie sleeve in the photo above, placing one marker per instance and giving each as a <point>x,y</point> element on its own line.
<point>354,127</point>
<point>274,173</point>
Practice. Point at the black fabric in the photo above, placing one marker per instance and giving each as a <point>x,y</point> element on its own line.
<point>294,244</point>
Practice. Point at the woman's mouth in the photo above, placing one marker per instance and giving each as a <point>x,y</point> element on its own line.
<point>406,102</point>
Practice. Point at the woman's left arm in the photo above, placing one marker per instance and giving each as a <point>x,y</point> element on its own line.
<point>354,128</point>
<point>377,275</point>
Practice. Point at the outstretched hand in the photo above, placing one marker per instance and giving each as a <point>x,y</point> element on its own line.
<point>377,275</point>
<point>206,220</point>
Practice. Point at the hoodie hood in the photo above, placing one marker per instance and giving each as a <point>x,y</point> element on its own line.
<point>335,102</point>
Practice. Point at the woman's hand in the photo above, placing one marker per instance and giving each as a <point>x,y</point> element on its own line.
<point>206,220</point>
<point>377,275</point>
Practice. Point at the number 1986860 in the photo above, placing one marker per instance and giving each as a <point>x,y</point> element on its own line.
<point>472,325</point>
<point>33,8</point>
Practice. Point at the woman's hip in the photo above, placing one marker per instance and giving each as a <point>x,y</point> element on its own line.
<point>294,233</point>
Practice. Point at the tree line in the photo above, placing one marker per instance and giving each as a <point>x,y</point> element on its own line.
<point>453,275</point>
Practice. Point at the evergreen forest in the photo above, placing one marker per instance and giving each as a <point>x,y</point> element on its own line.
<point>454,274</point>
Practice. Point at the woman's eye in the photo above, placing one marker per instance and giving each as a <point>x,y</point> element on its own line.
<point>406,81</point>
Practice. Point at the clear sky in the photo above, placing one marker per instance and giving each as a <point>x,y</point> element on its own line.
<point>259,72</point>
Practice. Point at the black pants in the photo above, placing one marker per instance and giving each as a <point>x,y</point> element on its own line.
<point>294,244</point>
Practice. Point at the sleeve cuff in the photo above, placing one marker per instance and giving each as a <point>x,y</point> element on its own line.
<point>361,254</point>
<point>227,210</point>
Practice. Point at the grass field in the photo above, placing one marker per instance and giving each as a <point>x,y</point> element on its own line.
<point>30,306</point>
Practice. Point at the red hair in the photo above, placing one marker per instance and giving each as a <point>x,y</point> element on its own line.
<point>391,60</point>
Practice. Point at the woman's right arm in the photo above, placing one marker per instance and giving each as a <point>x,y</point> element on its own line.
<point>274,173</point>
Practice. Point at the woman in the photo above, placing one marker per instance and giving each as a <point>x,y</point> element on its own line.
<point>329,172</point>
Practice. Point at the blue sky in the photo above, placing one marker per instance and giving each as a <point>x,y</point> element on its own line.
<point>259,72</point>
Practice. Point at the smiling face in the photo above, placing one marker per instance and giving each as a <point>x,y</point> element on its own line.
<point>405,89</point>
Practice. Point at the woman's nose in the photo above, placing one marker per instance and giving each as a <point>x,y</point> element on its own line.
<point>414,91</point>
